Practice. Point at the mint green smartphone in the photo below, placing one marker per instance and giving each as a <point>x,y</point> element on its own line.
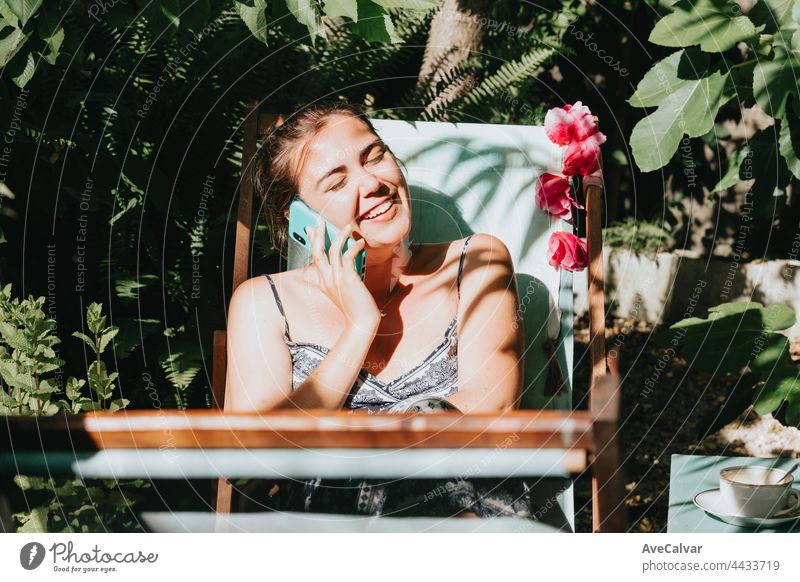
<point>302,216</point>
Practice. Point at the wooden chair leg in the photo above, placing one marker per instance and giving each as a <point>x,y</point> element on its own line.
<point>608,480</point>
<point>219,367</point>
<point>608,484</point>
<point>223,487</point>
<point>224,495</point>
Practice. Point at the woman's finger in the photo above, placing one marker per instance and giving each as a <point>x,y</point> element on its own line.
<point>349,256</point>
<point>318,252</point>
<point>335,254</point>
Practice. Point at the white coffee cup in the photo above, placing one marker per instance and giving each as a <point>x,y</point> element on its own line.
<point>755,491</point>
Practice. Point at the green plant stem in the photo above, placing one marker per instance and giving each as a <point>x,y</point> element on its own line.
<point>743,64</point>
<point>97,367</point>
<point>36,391</point>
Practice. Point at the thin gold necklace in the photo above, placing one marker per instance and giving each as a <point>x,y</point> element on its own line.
<point>391,296</point>
<point>403,258</point>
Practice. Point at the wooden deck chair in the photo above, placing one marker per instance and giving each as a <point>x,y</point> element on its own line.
<point>465,178</point>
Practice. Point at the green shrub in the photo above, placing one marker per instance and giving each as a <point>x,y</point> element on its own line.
<point>744,338</point>
<point>640,236</point>
<point>30,374</point>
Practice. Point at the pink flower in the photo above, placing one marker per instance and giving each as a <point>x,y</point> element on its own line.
<point>569,124</point>
<point>583,157</point>
<point>567,251</point>
<point>552,195</point>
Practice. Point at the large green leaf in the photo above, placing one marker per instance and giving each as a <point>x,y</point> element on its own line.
<point>10,43</point>
<point>21,68</point>
<point>27,483</point>
<point>713,24</point>
<point>287,20</point>
<point>409,4</point>
<point>35,522</point>
<point>774,80</point>
<point>769,170</point>
<point>793,410</point>
<point>778,317</point>
<point>107,336</point>
<point>51,32</point>
<point>22,9</point>
<point>73,388</point>
<point>775,14</point>
<point>14,337</point>
<point>7,15</point>
<point>374,24</point>
<point>736,165</point>
<point>688,95</point>
<point>790,138</point>
<point>89,341</point>
<point>782,383</point>
<point>95,320</point>
<point>255,18</point>
<point>347,8</point>
<point>305,12</point>
<point>736,335</point>
<point>45,387</point>
<point>13,377</point>
<point>118,404</point>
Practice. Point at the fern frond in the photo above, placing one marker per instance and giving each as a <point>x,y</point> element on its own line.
<point>508,75</point>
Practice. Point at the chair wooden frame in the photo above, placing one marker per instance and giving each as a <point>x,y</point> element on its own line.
<point>602,430</point>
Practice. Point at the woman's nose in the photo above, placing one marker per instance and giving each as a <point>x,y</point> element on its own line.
<point>367,183</point>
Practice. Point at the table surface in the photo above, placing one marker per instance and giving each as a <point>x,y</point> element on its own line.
<point>691,474</point>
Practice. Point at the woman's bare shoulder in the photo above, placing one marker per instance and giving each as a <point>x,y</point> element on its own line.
<point>485,243</point>
<point>480,245</point>
<point>259,286</point>
<point>252,301</point>
<point>440,253</point>
<point>487,256</point>
<point>443,258</point>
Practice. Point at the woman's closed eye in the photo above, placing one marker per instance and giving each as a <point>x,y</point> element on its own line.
<point>373,160</point>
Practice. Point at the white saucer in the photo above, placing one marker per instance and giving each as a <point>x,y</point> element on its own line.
<point>712,503</point>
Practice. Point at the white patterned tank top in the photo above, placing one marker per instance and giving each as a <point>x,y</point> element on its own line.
<point>435,376</point>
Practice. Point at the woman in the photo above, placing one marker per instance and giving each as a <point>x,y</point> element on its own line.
<point>428,320</point>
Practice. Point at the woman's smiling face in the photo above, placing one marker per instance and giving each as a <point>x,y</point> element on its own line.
<point>348,175</point>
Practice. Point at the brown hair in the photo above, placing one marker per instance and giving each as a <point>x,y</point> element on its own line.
<point>275,175</point>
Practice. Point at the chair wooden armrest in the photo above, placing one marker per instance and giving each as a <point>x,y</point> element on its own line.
<point>60,444</point>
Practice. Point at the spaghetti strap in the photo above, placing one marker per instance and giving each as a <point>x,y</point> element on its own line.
<point>280,308</point>
<point>461,264</point>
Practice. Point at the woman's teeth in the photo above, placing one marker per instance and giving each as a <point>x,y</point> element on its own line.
<point>380,209</point>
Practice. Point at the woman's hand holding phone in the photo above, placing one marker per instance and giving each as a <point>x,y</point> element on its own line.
<point>339,279</point>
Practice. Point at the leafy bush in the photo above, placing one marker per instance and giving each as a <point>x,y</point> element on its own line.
<point>639,236</point>
<point>30,377</point>
<point>726,57</point>
<point>743,338</point>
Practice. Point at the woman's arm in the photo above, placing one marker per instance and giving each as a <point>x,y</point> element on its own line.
<point>259,375</point>
<point>328,385</point>
<point>259,372</point>
<point>491,341</point>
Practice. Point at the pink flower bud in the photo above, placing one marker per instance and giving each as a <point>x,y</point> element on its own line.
<point>583,157</point>
<point>553,196</point>
<point>567,251</point>
<point>569,124</point>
